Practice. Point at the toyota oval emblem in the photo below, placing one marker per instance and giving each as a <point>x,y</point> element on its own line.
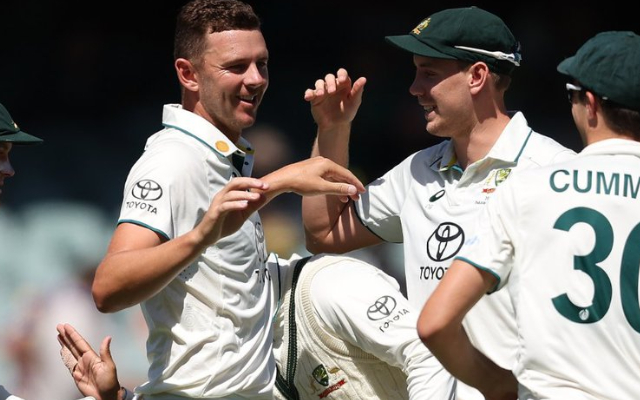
<point>146,189</point>
<point>445,241</point>
<point>382,308</point>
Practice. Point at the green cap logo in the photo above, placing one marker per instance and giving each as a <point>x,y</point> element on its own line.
<point>421,26</point>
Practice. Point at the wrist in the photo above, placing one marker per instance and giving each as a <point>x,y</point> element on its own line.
<point>124,394</point>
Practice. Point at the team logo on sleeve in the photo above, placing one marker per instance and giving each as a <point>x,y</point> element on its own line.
<point>146,190</point>
<point>382,308</point>
<point>385,312</point>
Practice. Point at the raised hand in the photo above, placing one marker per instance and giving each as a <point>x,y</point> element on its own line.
<point>94,375</point>
<point>334,100</point>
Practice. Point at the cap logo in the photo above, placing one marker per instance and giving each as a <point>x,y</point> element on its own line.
<point>421,26</point>
<point>15,125</point>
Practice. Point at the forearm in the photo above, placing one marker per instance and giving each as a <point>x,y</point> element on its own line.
<point>441,330</point>
<point>333,143</point>
<point>456,353</point>
<point>426,377</point>
<point>128,277</point>
<point>320,214</point>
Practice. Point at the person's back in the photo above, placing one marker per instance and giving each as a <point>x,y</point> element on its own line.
<point>345,331</point>
<point>575,287</point>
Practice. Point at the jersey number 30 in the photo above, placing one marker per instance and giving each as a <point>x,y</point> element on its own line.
<point>629,270</point>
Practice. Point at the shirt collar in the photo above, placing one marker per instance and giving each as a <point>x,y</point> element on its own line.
<point>176,117</point>
<point>612,147</point>
<point>507,148</point>
<point>512,141</point>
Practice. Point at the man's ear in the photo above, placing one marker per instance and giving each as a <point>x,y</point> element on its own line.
<point>592,104</point>
<point>478,73</point>
<point>187,74</point>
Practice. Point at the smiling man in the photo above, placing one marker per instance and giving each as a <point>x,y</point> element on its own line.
<point>189,246</point>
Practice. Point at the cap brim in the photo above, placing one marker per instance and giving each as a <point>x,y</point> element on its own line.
<point>20,138</point>
<point>566,66</point>
<point>413,45</point>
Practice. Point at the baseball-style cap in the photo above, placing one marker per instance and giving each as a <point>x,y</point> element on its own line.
<point>10,132</point>
<point>469,34</point>
<point>609,65</point>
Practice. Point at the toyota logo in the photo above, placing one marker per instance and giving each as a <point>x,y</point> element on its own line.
<point>260,242</point>
<point>445,241</point>
<point>146,189</point>
<point>382,308</point>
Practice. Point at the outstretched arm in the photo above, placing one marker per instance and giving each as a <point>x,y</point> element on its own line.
<point>330,224</point>
<point>317,176</point>
<point>94,375</point>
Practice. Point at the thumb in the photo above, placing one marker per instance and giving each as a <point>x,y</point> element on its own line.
<point>358,88</point>
<point>105,350</point>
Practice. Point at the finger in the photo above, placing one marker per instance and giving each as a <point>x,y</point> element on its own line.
<point>309,95</point>
<point>358,87</point>
<point>347,177</point>
<point>330,83</point>
<point>238,195</point>
<point>67,343</point>
<point>337,188</point>
<point>320,87</point>
<point>343,81</point>
<point>105,350</point>
<point>244,183</point>
<point>242,201</point>
<point>76,343</point>
<point>342,75</point>
<point>68,358</point>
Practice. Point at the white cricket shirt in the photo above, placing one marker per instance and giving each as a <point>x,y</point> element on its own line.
<point>210,332</point>
<point>564,241</point>
<point>352,319</point>
<point>431,205</point>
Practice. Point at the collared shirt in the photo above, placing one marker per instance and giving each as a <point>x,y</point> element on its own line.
<point>210,332</point>
<point>429,203</point>
<point>563,241</point>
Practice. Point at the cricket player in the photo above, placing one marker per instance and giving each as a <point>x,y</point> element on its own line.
<point>564,242</point>
<point>464,59</point>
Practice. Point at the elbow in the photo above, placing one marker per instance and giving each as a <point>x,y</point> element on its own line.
<point>314,243</point>
<point>429,331</point>
<point>316,246</point>
<point>327,243</point>
<point>313,246</point>
<point>104,301</point>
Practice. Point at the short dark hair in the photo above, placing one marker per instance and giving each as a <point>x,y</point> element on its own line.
<point>199,18</point>
<point>621,120</point>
